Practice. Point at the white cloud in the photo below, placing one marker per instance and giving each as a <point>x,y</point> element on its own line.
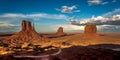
<point>96,2</point>
<point>114,12</point>
<point>112,20</point>
<point>104,3</point>
<point>55,16</point>
<point>12,17</point>
<point>68,27</point>
<point>109,28</point>
<point>8,27</point>
<point>73,27</point>
<point>88,20</point>
<point>11,21</point>
<point>114,1</point>
<point>68,9</point>
<point>109,22</point>
<point>100,28</point>
<point>6,24</point>
<point>38,15</point>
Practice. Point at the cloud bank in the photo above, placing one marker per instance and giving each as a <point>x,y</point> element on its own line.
<point>109,18</point>
<point>114,12</point>
<point>9,18</point>
<point>109,24</point>
<point>11,21</point>
<point>113,20</point>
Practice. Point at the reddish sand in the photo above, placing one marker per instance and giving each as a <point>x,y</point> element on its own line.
<point>76,39</point>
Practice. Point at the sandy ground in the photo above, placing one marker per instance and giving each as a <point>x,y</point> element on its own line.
<point>75,42</point>
<point>76,39</point>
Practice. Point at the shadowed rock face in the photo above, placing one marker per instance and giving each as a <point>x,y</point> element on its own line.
<point>76,53</point>
<point>60,32</point>
<point>27,34</point>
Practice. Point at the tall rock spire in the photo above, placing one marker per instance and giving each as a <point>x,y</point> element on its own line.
<point>33,28</point>
<point>26,25</point>
<point>23,25</point>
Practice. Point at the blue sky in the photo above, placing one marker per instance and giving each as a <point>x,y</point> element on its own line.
<point>48,15</point>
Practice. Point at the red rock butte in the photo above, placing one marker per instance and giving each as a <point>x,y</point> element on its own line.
<point>60,32</point>
<point>27,34</point>
<point>90,30</point>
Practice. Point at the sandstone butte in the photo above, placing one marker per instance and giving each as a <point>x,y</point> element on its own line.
<point>27,34</point>
<point>60,32</point>
<point>90,30</point>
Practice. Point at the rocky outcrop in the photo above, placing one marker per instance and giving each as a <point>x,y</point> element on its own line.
<point>90,30</point>
<point>26,26</point>
<point>27,34</point>
<point>60,32</point>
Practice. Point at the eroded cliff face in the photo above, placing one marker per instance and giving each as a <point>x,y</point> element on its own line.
<point>60,32</point>
<point>90,30</point>
<point>27,34</point>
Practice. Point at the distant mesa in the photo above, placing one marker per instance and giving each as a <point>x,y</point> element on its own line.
<point>27,34</point>
<point>60,32</point>
<point>90,30</point>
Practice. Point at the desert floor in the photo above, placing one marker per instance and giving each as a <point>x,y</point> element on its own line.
<point>75,39</point>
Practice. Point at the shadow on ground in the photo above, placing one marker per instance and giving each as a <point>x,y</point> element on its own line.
<point>91,52</point>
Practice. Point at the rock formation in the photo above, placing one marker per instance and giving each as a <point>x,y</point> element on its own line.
<point>27,34</point>
<point>90,30</point>
<point>60,32</point>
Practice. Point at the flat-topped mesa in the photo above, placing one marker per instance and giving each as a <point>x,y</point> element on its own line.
<point>90,30</point>
<point>27,34</point>
<point>60,32</point>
